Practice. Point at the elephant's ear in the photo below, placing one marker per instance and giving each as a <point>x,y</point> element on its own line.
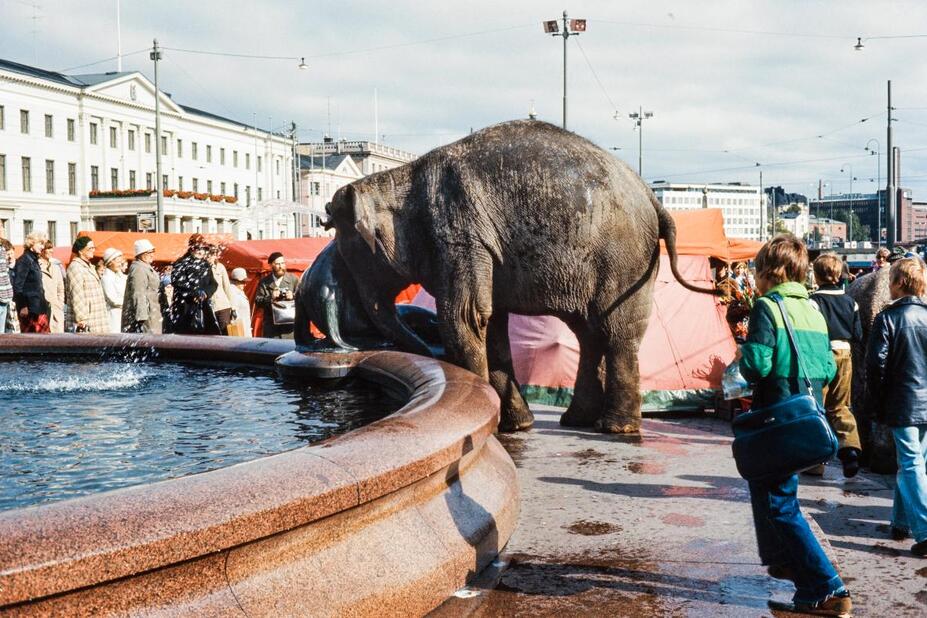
<point>365,217</point>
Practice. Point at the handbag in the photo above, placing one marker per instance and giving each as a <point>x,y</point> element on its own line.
<point>787,437</point>
<point>283,312</point>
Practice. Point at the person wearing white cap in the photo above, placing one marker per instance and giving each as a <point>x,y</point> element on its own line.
<point>241,306</point>
<point>113,281</point>
<point>141,309</point>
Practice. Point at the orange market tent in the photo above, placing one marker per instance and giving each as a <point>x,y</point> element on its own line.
<point>168,247</point>
<point>687,344</point>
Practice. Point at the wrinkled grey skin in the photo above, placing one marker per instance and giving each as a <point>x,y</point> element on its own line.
<point>521,217</point>
<point>872,295</point>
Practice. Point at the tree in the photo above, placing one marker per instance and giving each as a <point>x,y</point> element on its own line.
<point>860,231</point>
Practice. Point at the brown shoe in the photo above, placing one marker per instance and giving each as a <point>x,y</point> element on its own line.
<point>834,606</point>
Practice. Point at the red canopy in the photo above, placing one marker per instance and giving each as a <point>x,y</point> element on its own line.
<point>701,232</point>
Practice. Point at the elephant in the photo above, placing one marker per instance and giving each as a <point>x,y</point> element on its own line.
<point>520,217</point>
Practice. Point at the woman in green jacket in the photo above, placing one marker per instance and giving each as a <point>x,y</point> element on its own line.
<point>787,546</point>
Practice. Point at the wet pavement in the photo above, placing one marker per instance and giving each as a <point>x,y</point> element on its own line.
<point>660,525</point>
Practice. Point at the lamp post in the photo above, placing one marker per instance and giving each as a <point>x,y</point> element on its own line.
<point>849,202</point>
<point>155,55</point>
<point>640,116</point>
<point>571,27</point>
<point>878,188</point>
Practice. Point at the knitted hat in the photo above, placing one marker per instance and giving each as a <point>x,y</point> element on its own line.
<point>142,246</point>
<point>111,254</point>
<point>238,275</point>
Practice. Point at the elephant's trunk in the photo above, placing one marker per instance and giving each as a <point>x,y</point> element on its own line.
<point>382,312</point>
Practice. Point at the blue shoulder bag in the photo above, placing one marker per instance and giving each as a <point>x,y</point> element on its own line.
<point>792,435</point>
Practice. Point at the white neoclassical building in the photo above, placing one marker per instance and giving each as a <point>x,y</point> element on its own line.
<point>743,206</point>
<point>77,153</point>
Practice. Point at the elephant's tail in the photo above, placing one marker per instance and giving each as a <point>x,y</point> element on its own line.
<point>668,234</point>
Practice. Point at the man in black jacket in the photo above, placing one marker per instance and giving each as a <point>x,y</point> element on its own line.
<point>896,374</point>
<point>277,288</point>
<point>28,292</point>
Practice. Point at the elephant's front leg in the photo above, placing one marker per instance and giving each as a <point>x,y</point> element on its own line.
<point>515,415</point>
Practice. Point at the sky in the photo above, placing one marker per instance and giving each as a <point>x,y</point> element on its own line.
<point>730,83</point>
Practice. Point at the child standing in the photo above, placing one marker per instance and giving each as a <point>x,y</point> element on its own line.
<point>896,371</point>
<point>843,327</point>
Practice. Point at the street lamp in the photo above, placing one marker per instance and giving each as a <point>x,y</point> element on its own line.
<point>849,201</point>
<point>571,27</point>
<point>859,44</point>
<point>640,116</point>
<point>878,190</point>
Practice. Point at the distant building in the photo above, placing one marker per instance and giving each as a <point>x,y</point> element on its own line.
<point>919,220</point>
<point>826,232</point>
<point>325,167</point>
<point>77,152</point>
<point>871,210</point>
<point>743,206</point>
<point>795,222</point>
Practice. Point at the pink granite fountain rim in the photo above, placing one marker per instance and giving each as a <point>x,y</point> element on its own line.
<point>59,547</point>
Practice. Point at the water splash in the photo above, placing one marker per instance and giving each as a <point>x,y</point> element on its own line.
<point>117,377</point>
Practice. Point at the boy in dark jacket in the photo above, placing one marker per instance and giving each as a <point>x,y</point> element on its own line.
<point>896,371</point>
<point>843,328</point>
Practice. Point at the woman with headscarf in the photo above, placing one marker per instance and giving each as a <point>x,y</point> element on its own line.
<point>113,281</point>
<point>28,292</point>
<point>221,300</point>
<point>53,284</point>
<point>193,285</point>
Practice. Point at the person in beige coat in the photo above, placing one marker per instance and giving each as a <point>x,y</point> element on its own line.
<point>221,300</point>
<point>53,284</point>
<point>84,292</point>
<point>141,308</point>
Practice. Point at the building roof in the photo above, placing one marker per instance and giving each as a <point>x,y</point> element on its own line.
<point>315,161</point>
<point>89,80</point>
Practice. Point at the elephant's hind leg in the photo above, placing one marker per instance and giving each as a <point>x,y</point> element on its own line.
<point>621,410</point>
<point>515,415</point>
<point>588,394</point>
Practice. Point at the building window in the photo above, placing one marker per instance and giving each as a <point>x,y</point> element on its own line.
<point>2,118</point>
<point>235,192</point>
<point>260,162</point>
<point>209,187</point>
<point>131,179</point>
<point>94,178</point>
<point>27,227</point>
<point>222,188</point>
<point>93,133</point>
<point>148,142</point>
<point>208,153</point>
<point>112,137</point>
<point>72,178</point>
<point>2,172</point>
<point>164,145</point>
<point>234,158</point>
<point>113,178</point>
<point>179,148</point>
<point>49,129</point>
<point>148,180</point>
<point>27,174</point>
<point>222,156</point>
<point>278,195</point>
<point>260,194</point>
<point>247,195</point>
<point>70,129</point>
<point>277,166</point>
<point>196,185</point>
<point>316,188</point>
<point>49,176</point>
<point>131,139</point>
<point>24,121</point>
<point>194,151</point>
<point>52,229</point>
<point>163,181</point>
<point>247,160</point>
<point>180,183</point>
<point>73,227</point>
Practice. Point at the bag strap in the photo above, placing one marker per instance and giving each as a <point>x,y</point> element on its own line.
<point>802,373</point>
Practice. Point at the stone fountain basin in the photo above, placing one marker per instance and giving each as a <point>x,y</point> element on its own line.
<point>389,519</point>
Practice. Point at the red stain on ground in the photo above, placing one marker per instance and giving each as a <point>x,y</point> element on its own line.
<point>680,519</point>
<point>645,467</point>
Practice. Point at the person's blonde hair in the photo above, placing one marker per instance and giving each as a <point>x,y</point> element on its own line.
<point>34,237</point>
<point>910,275</point>
<point>828,269</point>
<point>784,258</point>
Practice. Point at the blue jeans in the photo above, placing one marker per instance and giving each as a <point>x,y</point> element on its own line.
<point>909,510</point>
<point>4,308</point>
<point>784,538</point>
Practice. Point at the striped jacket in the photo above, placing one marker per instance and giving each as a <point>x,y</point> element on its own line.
<point>767,357</point>
<point>85,298</point>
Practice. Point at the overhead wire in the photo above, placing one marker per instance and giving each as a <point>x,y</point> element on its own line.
<point>110,59</point>
<point>596,77</point>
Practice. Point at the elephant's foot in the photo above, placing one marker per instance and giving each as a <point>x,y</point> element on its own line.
<point>516,419</point>
<point>618,424</point>
<point>579,415</point>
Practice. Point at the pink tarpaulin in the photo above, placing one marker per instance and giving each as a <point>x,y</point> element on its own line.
<point>686,346</point>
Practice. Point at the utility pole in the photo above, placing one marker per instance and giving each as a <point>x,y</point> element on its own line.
<point>890,175</point>
<point>118,40</point>
<point>155,55</point>
<point>640,116</point>
<point>571,27</point>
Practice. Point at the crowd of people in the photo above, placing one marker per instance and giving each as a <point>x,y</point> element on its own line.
<point>827,324</point>
<point>194,295</point>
